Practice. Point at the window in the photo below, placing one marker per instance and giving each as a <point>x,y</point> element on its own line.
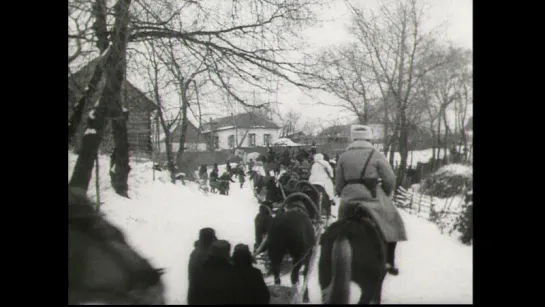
<point>216,142</point>
<point>231,141</point>
<point>266,139</point>
<point>251,139</point>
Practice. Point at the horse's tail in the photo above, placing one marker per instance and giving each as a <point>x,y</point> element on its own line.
<point>341,273</point>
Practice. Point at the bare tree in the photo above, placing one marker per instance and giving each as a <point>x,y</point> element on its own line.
<point>183,80</point>
<point>166,121</point>
<point>342,72</point>
<point>109,105</point>
<point>290,123</point>
<point>399,55</point>
<point>249,44</point>
<point>446,88</point>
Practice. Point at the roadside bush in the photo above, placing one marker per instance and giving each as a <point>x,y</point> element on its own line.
<point>448,181</point>
<point>464,222</point>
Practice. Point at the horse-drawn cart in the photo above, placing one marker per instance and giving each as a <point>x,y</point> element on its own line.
<point>292,294</point>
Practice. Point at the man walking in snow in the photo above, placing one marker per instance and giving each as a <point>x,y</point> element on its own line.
<point>198,256</point>
<point>359,170</point>
<point>218,282</point>
<point>224,185</point>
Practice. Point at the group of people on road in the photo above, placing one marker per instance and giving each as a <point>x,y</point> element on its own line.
<point>221,183</point>
<point>216,277</point>
<point>361,176</point>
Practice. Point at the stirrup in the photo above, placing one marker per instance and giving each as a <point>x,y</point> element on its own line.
<point>392,270</point>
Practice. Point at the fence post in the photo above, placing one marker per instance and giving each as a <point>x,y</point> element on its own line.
<point>419,203</point>
<point>411,203</point>
<point>432,209</point>
<point>97,182</point>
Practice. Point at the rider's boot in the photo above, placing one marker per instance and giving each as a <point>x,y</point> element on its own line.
<point>390,260</point>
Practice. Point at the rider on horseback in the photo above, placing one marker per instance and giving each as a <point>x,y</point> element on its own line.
<point>321,174</point>
<point>359,170</point>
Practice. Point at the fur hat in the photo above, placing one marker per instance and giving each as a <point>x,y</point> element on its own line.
<point>221,249</point>
<point>207,235</point>
<point>360,132</point>
<point>318,157</point>
<point>242,255</point>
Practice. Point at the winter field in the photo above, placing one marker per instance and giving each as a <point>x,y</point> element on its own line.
<point>162,221</point>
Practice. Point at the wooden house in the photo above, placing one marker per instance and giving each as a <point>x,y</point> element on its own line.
<point>139,109</point>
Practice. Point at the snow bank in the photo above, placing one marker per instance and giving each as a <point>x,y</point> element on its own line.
<point>434,269</point>
<point>162,220</point>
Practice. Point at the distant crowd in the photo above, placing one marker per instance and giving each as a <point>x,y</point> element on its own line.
<point>298,161</point>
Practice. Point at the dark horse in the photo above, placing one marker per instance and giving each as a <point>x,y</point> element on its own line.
<point>292,232</point>
<point>317,194</point>
<point>352,250</point>
<point>102,267</point>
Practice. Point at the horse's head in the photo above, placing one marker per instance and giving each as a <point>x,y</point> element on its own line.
<point>102,267</point>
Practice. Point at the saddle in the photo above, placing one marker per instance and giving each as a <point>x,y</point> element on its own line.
<point>359,215</point>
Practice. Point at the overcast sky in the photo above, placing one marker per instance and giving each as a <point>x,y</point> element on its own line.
<point>455,15</point>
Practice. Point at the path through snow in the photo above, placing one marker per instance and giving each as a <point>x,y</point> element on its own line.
<point>162,221</point>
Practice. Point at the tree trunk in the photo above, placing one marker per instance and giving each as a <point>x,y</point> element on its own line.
<point>438,141</point>
<point>109,102</point>
<point>403,148</point>
<point>119,175</point>
<point>433,145</point>
<point>99,10</point>
<point>394,142</point>
<point>166,129</point>
<point>387,138</point>
<point>185,104</point>
<point>79,108</point>
<point>447,134</point>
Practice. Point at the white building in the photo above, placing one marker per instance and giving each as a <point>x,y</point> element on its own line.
<point>241,130</point>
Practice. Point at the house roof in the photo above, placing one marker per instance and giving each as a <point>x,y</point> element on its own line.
<point>192,133</point>
<point>242,121</point>
<point>135,98</point>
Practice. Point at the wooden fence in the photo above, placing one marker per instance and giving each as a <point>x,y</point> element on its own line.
<point>420,205</point>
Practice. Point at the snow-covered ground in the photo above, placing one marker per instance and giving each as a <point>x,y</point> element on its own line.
<point>162,221</point>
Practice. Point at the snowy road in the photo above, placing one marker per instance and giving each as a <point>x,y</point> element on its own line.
<point>163,220</point>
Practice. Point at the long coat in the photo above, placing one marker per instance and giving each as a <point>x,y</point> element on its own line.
<point>321,174</point>
<point>254,289</point>
<point>349,167</point>
<point>217,283</point>
<point>197,259</point>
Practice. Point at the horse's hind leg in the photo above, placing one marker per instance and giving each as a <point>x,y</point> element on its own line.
<point>276,256</point>
<point>275,268</point>
<point>371,291</point>
<point>295,273</point>
<point>378,294</point>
